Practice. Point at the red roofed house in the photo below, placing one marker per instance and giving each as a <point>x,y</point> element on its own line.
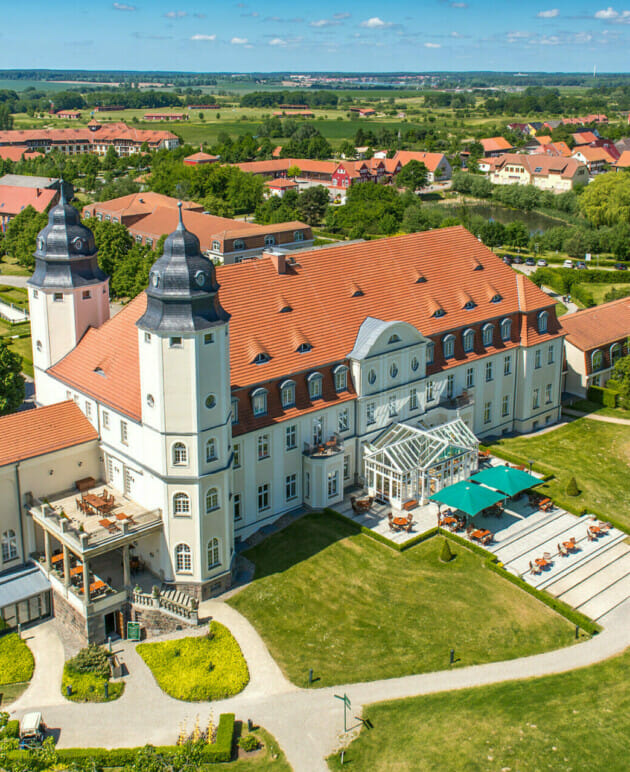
<point>165,117</point>
<point>584,137</point>
<point>279,186</point>
<point>438,167</point>
<point>70,115</point>
<point>623,162</point>
<point>595,158</point>
<point>554,173</point>
<point>495,146</point>
<point>14,199</point>
<point>595,339</point>
<point>196,159</point>
<point>225,397</point>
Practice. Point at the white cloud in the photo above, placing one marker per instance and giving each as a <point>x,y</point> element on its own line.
<point>123,7</point>
<point>607,14</point>
<point>459,5</point>
<point>324,23</point>
<point>550,14</point>
<point>175,14</point>
<point>341,15</point>
<point>278,42</point>
<point>551,40</point>
<point>432,45</point>
<point>375,23</point>
<point>203,37</point>
<point>239,41</point>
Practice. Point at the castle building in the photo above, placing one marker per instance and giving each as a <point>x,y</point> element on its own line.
<point>222,398</point>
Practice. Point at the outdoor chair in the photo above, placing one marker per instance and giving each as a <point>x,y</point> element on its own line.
<point>562,551</point>
<point>533,568</point>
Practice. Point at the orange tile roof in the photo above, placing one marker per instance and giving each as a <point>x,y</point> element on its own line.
<point>592,154</point>
<point>281,182</point>
<point>584,137</point>
<point>543,139</point>
<point>599,325</point>
<point>318,289</point>
<point>540,164</point>
<point>492,144</point>
<point>32,433</point>
<point>430,160</point>
<point>201,158</point>
<point>244,229</point>
<point>623,161</point>
<point>13,199</point>
<point>139,203</point>
<point>282,164</point>
<point>17,152</point>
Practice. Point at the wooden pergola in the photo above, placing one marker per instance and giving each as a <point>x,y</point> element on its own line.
<point>409,463</point>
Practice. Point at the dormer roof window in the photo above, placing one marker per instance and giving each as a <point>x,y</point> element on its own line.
<point>261,358</point>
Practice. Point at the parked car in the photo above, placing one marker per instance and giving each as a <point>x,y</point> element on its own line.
<point>581,264</point>
<point>517,259</point>
<point>621,267</point>
<point>567,264</point>
<point>32,730</point>
<point>507,259</point>
<point>542,262</point>
<point>530,261</point>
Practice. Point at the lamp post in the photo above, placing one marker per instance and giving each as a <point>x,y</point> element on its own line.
<point>531,463</point>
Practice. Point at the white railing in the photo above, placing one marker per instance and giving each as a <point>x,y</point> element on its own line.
<point>159,602</point>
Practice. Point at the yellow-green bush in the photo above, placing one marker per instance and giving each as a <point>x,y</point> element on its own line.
<point>16,660</point>
<point>206,667</point>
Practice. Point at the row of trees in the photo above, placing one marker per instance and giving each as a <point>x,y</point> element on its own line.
<point>311,99</point>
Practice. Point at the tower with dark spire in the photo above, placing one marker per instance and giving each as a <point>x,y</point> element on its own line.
<point>68,292</point>
<point>184,355</point>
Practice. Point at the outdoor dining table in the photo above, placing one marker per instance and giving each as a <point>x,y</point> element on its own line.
<point>57,558</point>
<point>76,571</point>
<point>541,562</point>
<point>595,529</point>
<point>99,584</point>
<point>479,534</point>
<point>401,522</point>
<point>449,520</point>
<point>569,545</point>
<point>94,502</point>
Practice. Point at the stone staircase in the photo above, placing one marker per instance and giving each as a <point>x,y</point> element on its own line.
<point>594,579</point>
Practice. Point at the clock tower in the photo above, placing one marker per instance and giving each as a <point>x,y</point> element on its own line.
<point>67,292</point>
<point>183,342</point>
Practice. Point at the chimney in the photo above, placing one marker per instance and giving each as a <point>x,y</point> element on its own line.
<point>37,192</point>
<point>278,260</point>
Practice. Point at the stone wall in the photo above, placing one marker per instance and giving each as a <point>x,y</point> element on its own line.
<point>204,590</point>
<point>156,622</point>
<point>70,617</point>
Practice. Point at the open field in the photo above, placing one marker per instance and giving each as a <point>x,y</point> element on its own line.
<point>353,609</point>
<point>599,290</point>
<point>596,453</point>
<point>572,721</point>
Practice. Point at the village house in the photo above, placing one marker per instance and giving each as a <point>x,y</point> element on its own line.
<point>495,146</point>
<point>197,159</point>
<point>556,174</point>
<point>595,339</point>
<point>596,159</point>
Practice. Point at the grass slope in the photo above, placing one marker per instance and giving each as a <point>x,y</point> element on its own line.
<point>353,609</point>
<point>596,453</point>
<point>574,721</point>
<point>200,668</point>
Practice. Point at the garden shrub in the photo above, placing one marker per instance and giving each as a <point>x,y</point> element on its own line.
<point>87,673</point>
<point>249,743</point>
<point>4,717</point>
<point>446,555</point>
<point>16,660</point>
<point>10,729</point>
<point>603,396</point>
<point>572,488</point>
<point>205,668</point>
<point>579,292</point>
<point>91,659</point>
<point>3,625</point>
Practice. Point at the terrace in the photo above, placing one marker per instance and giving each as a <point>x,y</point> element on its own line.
<point>331,447</point>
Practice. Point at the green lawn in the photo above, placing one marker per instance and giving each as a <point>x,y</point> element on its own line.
<point>89,687</point>
<point>596,453</point>
<point>586,406</point>
<point>599,290</point>
<point>561,309</point>
<point>208,667</point>
<point>23,347</point>
<point>574,721</point>
<point>327,598</point>
<point>16,660</point>
<point>9,267</point>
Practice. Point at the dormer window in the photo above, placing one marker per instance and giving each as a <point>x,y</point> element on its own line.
<point>239,244</point>
<point>394,339</point>
<point>469,340</point>
<point>543,317</point>
<point>261,358</point>
<point>298,236</point>
<point>469,305</point>
<point>287,394</point>
<point>270,241</point>
<point>315,386</point>
<point>216,246</point>
<point>259,402</point>
<point>488,334</point>
<point>496,298</point>
<point>303,348</point>
<point>448,346</point>
<point>439,312</point>
<point>506,329</point>
<point>357,293</point>
<point>341,378</point>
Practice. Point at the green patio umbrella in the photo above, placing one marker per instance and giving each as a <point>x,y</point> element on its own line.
<point>467,497</point>
<point>506,479</point>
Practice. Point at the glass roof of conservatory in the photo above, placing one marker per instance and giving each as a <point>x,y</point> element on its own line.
<point>405,448</point>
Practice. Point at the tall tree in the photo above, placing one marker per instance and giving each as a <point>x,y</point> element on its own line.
<point>11,381</point>
<point>412,176</point>
<point>21,235</point>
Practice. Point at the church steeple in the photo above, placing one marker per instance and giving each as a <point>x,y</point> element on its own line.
<point>182,295</point>
<point>66,256</point>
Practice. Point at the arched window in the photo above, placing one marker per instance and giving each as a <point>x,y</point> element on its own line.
<point>183,559</point>
<point>615,353</point>
<point>394,338</point>
<point>287,394</point>
<point>448,346</point>
<point>270,241</point>
<point>506,329</point>
<point>597,360</point>
<point>393,370</point>
<point>212,500</point>
<point>315,385</point>
<point>261,358</point>
<point>469,340</point>
<point>543,316</point>
<point>430,352</point>
<point>259,402</point>
<point>239,244</point>
<point>341,378</point>
<point>488,334</point>
<point>414,364</point>
<point>181,504</point>
<point>180,454</point>
<point>372,377</point>
<point>211,450</point>
<point>9,546</point>
<point>214,553</point>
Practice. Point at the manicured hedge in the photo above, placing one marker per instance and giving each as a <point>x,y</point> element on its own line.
<point>603,396</point>
<point>584,295</point>
<point>217,752</point>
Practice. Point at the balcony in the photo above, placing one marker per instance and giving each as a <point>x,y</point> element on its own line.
<point>331,447</point>
<point>87,528</point>
<point>455,403</point>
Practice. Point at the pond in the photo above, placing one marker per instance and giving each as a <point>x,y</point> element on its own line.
<point>535,222</point>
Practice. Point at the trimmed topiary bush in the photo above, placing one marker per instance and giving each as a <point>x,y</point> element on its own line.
<point>446,555</point>
<point>572,488</point>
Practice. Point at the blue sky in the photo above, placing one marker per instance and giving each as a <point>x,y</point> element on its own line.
<point>268,35</point>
